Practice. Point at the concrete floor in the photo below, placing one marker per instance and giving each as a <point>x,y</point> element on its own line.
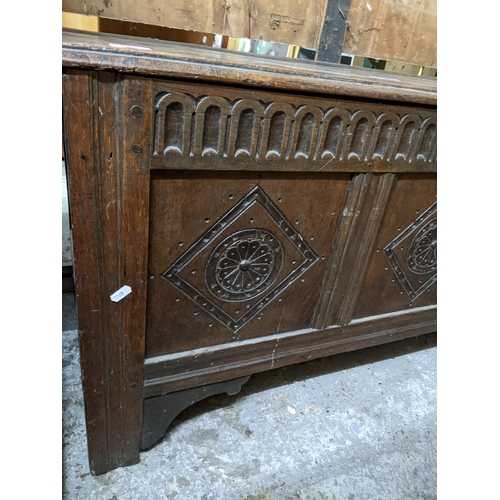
<point>356,426</point>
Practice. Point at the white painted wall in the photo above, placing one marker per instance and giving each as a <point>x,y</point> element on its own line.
<point>67,258</point>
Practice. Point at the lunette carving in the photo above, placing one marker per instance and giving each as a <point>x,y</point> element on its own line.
<point>334,126</point>
<point>251,128</point>
<point>210,126</point>
<point>252,111</point>
<point>426,147</point>
<point>359,134</point>
<point>407,138</point>
<point>305,134</point>
<point>173,135</point>
<point>383,136</point>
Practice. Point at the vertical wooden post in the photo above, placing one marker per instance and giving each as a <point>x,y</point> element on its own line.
<point>109,209</point>
<point>352,248</point>
<point>333,31</point>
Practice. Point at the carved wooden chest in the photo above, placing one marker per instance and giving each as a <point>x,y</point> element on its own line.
<point>233,214</point>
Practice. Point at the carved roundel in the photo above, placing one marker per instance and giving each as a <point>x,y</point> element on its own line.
<point>244,265</point>
<point>422,257</point>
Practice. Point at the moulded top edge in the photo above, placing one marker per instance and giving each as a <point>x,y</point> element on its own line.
<point>174,59</point>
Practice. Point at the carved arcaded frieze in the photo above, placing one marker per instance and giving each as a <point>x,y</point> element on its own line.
<point>188,126</point>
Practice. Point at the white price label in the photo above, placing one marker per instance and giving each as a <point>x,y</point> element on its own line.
<point>121,293</point>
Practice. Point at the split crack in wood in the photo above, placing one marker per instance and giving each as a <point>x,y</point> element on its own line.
<point>326,164</point>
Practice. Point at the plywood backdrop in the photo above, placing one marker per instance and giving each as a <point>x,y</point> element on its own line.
<point>298,22</point>
<point>394,30</point>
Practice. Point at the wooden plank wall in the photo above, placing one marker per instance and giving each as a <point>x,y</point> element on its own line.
<point>297,22</point>
<point>402,31</point>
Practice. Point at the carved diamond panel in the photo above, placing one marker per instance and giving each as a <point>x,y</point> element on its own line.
<point>245,265</point>
<point>412,255</point>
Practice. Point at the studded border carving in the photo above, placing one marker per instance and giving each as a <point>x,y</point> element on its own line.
<point>422,257</point>
<point>399,267</point>
<point>256,195</point>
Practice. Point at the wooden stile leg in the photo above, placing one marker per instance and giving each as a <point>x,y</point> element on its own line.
<point>109,216</point>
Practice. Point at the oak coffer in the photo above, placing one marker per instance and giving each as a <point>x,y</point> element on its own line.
<point>233,214</point>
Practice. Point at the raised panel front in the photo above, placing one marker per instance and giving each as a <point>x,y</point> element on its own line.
<point>236,256</point>
<point>403,269</point>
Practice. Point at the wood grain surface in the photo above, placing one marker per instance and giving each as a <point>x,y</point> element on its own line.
<point>155,57</point>
<point>109,201</point>
<point>403,31</point>
<point>298,22</point>
<point>241,256</point>
<point>205,127</point>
